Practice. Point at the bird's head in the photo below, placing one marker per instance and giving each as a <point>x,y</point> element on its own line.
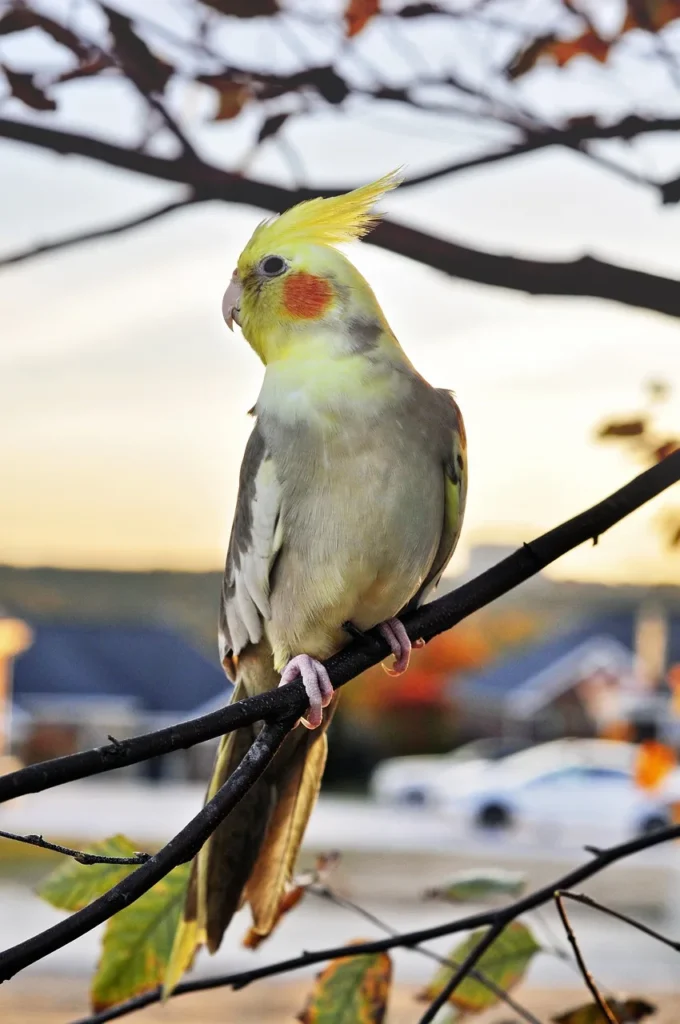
<point>291,282</point>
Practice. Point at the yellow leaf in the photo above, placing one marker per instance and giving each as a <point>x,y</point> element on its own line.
<point>138,941</point>
<point>289,900</point>
<point>351,990</point>
<point>504,963</point>
<point>628,1011</point>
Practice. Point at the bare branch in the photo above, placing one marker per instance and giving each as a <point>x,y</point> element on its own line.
<point>605,1010</point>
<point>179,850</point>
<point>459,975</point>
<point>585,276</point>
<point>79,855</point>
<point>91,236</point>
<point>588,901</point>
<point>426,622</point>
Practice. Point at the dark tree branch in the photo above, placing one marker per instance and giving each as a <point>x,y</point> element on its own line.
<point>463,970</point>
<point>182,848</point>
<point>79,855</point>
<point>500,993</point>
<point>607,1013</point>
<point>588,901</point>
<point>491,918</point>
<point>424,623</point>
<point>282,707</point>
<point>91,236</point>
<point>586,276</point>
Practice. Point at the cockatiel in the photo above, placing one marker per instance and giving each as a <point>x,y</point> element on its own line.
<point>350,503</point>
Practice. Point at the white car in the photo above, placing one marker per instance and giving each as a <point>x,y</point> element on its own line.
<point>413,780</point>
<point>580,791</point>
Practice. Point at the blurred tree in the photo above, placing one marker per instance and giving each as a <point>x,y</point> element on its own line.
<point>183,80</point>
<point>641,434</point>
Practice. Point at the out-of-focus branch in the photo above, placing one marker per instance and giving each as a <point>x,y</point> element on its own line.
<point>585,276</point>
<point>91,236</point>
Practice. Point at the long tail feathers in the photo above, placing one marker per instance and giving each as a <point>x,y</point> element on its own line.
<point>296,795</point>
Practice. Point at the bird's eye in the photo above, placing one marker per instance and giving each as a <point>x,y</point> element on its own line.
<point>272,266</point>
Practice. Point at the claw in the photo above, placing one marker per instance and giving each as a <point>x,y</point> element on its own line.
<point>393,631</point>
<point>318,686</point>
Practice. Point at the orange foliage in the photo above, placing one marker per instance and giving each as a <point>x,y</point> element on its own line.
<point>358,14</point>
<point>654,762</point>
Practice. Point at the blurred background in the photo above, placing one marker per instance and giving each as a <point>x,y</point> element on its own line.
<point>529,263</point>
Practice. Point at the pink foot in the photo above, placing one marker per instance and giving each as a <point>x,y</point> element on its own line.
<point>318,686</point>
<point>393,631</point>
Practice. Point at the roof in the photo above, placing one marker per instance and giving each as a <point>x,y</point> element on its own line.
<point>152,667</point>
<point>612,635</point>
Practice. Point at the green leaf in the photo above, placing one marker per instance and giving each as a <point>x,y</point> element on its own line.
<point>138,942</point>
<point>504,963</point>
<point>628,1011</point>
<point>72,885</point>
<point>351,990</point>
<point>479,886</point>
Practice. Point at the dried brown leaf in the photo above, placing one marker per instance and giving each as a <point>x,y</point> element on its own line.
<point>23,88</point>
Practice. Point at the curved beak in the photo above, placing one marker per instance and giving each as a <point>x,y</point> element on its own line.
<point>231,300</point>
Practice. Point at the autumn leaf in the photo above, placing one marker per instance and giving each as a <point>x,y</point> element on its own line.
<point>149,73</point>
<point>650,15</point>
<point>559,51</point>
<point>666,449</point>
<point>72,885</point>
<point>138,942</point>
<point>244,8</point>
<point>623,428</point>
<point>23,87</point>
<point>479,886</point>
<point>504,963</point>
<point>351,990</point>
<point>653,763</point>
<point>627,1011</point>
<point>358,13</point>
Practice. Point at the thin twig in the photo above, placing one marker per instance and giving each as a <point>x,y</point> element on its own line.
<point>483,979</point>
<point>91,236</point>
<point>605,1010</point>
<point>464,969</point>
<point>427,622</point>
<point>406,940</point>
<point>79,855</point>
<point>588,901</point>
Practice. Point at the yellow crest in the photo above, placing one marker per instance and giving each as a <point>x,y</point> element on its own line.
<point>325,221</point>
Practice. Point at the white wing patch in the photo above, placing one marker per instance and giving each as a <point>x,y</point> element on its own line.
<point>252,551</point>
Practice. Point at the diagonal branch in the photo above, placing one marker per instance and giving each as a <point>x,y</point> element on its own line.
<point>588,901</point>
<point>80,855</point>
<point>282,707</point>
<point>490,918</point>
<point>426,622</point>
<point>105,232</point>
<point>586,276</point>
<point>462,971</point>
<point>606,1011</point>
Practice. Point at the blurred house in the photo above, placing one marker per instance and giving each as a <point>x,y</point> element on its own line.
<point>77,684</point>
<point>606,675</point>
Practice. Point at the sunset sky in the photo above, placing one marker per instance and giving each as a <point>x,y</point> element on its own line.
<point>123,397</point>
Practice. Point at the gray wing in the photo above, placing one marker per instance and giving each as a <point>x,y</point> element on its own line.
<point>453,446</point>
<point>254,543</point>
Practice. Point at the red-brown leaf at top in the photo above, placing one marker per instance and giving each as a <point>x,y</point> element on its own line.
<point>358,13</point>
<point>559,51</point>
<point>244,8</point>
<point>666,449</point>
<point>21,18</point>
<point>149,73</point>
<point>24,88</point>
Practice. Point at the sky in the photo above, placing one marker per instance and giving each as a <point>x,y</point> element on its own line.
<point>124,398</point>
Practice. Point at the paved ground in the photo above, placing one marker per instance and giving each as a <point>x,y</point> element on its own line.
<point>60,1001</point>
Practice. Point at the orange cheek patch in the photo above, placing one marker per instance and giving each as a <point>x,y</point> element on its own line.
<point>306,296</point>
